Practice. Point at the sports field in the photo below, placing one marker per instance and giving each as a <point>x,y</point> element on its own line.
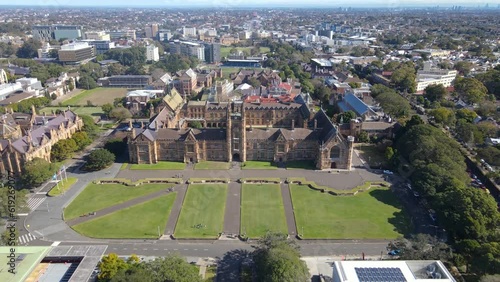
<point>373,214</point>
<point>145,220</point>
<point>224,51</point>
<point>97,96</point>
<point>202,213</point>
<point>262,210</point>
<point>89,111</point>
<point>100,196</point>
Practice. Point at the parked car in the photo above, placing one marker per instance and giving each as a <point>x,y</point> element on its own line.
<point>388,172</point>
<point>394,252</point>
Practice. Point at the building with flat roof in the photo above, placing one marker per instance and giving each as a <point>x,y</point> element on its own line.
<point>152,53</point>
<point>188,49</point>
<point>432,76</point>
<point>391,270</point>
<point>127,81</point>
<point>57,32</point>
<point>76,53</point>
<point>212,53</point>
<point>121,34</point>
<point>101,46</point>
<point>97,35</point>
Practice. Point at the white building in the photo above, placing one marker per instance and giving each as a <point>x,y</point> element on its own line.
<point>189,31</point>
<point>429,76</point>
<point>152,53</point>
<point>44,52</point>
<point>97,35</point>
<point>391,270</point>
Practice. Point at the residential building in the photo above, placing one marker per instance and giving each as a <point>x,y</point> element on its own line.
<point>237,131</point>
<point>101,46</point>
<point>127,81</point>
<point>41,133</point>
<point>187,82</point>
<point>433,52</point>
<point>137,100</point>
<point>212,53</point>
<point>152,53</point>
<point>224,87</point>
<point>76,53</point>
<point>391,270</point>
<point>164,35</point>
<point>122,34</point>
<point>189,31</point>
<point>431,76</point>
<point>48,32</point>
<point>188,49</point>
<point>151,30</point>
<point>97,35</point>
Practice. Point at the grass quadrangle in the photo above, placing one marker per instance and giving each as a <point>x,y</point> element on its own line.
<point>202,213</point>
<point>139,221</point>
<point>100,196</point>
<point>373,214</point>
<point>262,210</point>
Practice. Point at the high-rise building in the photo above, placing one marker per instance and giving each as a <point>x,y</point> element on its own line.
<point>57,32</point>
<point>189,31</point>
<point>152,53</point>
<point>188,49</point>
<point>163,35</point>
<point>212,53</point>
<point>76,53</point>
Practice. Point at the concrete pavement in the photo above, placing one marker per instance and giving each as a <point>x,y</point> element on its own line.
<point>289,212</point>
<point>232,214</point>
<point>176,209</point>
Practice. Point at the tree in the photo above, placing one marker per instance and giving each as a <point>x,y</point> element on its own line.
<point>6,201</point>
<point>89,126</point>
<point>99,159</point>
<point>82,140</point>
<point>443,115</point>
<point>109,266</point>
<point>120,114</point>
<point>466,114</point>
<point>363,137</point>
<point>29,49</point>
<point>117,146</point>
<point>470,89</point>
<point>173,268</point>
<point>435,92</point>
<point>490,278</point>
<point>278,259</point>
<point>422,247</point>
<point>10,237</point>
<point>346,117</point>
<point>37,171</point>
<point>63,149</point>
<point>463,67</point>
<point>86,82</point>
<point>107,108</point>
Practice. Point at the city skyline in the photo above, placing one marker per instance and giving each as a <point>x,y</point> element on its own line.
<point>257,3</point>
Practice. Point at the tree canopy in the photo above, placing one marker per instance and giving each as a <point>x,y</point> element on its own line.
<point>37,171</point>
<point>99,159</point>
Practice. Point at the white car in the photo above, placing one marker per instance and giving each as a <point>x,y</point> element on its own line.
<point>388,172</point>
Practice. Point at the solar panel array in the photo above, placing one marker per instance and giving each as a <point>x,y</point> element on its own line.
<point>380,274</point>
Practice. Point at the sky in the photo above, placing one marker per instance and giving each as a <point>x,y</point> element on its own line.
<point>257,3</point>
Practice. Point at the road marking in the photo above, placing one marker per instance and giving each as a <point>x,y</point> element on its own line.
<point>33,203</point>
<point>186,249</point>
<point>114,248</point>
<point>195,249</point>
<point>144,249</point>
<point>155,249</point>
<point>205,249</point>
<point>124,248</point>
<point>165,249</point>
<point>175,249</point>
<point>135,249</point>
<point>55,244</point>
<point>26,238</point>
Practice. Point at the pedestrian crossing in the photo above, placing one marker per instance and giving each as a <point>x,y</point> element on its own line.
<point>26,238</point>
<point>33,203</point>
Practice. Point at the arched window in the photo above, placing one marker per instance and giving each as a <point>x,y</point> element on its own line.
<point>335,152</point>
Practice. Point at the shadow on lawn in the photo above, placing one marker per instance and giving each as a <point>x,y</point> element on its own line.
<point>229,266</point>
<point>400,219</point>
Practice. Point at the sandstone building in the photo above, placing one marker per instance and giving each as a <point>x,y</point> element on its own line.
<point>240,131</point>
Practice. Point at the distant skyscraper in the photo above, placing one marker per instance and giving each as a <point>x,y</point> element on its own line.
<point>151,30</point>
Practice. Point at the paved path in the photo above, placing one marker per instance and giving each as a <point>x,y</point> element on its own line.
<point>176,209</point>
<point>232,214</point>
<point>112,209</point>
<point>289,212</point>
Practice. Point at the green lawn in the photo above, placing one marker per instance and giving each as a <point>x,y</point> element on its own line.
<point>262,210</point>
<point>62,187</point>
<point>159,166</point>
<point>138,221</point>
<point>202,214</point>
<point>310,165</point>
<point>258,165</point>
<point>224,51</point>
<point>99,196</point>
<point>89,111</point>
<point>210,274</point>
<point>212,165</point>
<point>97,96</point>
<point>374,214</point>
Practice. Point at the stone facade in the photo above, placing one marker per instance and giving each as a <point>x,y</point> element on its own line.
<point>40,135</point>
<point>238,131</point>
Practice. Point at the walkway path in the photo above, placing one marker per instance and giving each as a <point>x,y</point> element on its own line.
<point>112,209</point>
<point>233,213</point>
<point>176,209</point>
<point>289,212</point>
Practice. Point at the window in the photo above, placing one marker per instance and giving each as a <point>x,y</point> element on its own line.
<point>281,148</point>
<point>190,148</point>
<point>335,152</point>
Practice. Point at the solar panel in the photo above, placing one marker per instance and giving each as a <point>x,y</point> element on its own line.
<point>380,274</point>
